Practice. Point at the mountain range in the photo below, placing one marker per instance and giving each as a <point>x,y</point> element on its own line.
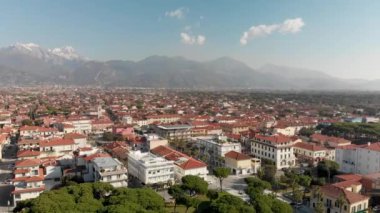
<point>30,64</point>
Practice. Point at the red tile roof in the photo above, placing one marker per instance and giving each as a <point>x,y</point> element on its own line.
<point>57,142</point>
<point>20,171</point>
<point>191,163</point>
<point>27,153</point>
<point>236,155</point>
<point>274,138</point>
<point>335,192</point>
<point>309,146</point>
<point>325,138</point>
<point>28,190</point>
<point>355,177</point>
<point>174,155</point>
<point>29,179</point>
<point>96,155</point>
<point>74,136</point>
<point>374,147</point>
<point>28,163</point>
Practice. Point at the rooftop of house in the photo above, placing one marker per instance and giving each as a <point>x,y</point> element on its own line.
<point>335,192</point>
<point>105,162</point>
<point>236,156</point>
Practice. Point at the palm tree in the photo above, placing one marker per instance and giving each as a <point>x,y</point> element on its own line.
<point>318,195</point>
<point>341,201</point>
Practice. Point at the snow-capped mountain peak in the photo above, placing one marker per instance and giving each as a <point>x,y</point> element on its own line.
<point>54,55</point>
<point>27,46</point>
<point>67,52</point>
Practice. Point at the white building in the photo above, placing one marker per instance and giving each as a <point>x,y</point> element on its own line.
<point>57,147</point>
<point>149,168</point>
<point>313,152</point>
<point>81,125</point>
<point>361,159</point>
<point>276,148</point>
<point>28,181</point>
<point>184,165</point>
<point>216,147</point>
<point>110,170</point>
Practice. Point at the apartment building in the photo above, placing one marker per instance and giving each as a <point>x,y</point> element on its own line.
<point>173,131</point>
<point>37,132</point>
<point>215,148</point>
<point>277,148</point>
<point>184,165</point>
<point>81,125</point>
<point>110,170</point>
<point>28,181</point>
<point>361,159</point>
<point>149,168</point>
<point>165,119</point>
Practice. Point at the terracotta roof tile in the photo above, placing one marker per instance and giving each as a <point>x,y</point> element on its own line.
<point>236,155</point>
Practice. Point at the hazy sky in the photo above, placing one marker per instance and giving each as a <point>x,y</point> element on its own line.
<point>341,38</point>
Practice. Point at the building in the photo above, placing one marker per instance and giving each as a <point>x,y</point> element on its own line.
<point>110,170</point>
<point>4,140</point>
<point>154,140</point>
<point>184,165</point>
<point>150,169</point>
<point>329,141</point>
<point>80,140</point>
<point>37,132</point>
<point>165,119</point>
<point>57,146</point>
<point>5,118</point>
<point>241,164</point>
<point>353,201</point>
<point>173,131</point>
<point>28,181</point>
<point>276,148</point>
<point>81,125</point>
<point>313,153</point>
<point>361,159</point>
<point>214,148</point>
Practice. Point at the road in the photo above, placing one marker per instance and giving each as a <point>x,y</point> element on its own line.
<point>6,169</point>
<point>233,184</point>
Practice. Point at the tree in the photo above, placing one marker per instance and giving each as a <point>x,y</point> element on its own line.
<point>212,194</point>
<point>194,184</point>
<point>317,194</point>
<point>27,122</point>
<point>94,197</point>
<point>221,173</point>
<point>328,166</point>
<point>281,207</point>
<point>306,131</point>
<point>269,172</point>
<point>176,192</point>
<point>304,180</point>
<point>341,201</point>
<point>227,203</point>
<point>257,183</point>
